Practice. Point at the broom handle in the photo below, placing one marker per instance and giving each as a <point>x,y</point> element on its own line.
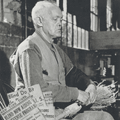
<point>66,113</point>
<point>60,116</point>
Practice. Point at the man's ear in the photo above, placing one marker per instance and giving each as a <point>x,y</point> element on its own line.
<point>38,21</point>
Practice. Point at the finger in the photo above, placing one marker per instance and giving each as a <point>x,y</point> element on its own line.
<point>88,101</point>
<point>92,98</point>
<point>84,99</point>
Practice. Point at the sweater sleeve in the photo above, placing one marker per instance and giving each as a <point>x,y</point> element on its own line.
<point>31,69</point>
<point>76,78</point>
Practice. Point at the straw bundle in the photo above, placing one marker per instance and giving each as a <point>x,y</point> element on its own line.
<point>106,95</point>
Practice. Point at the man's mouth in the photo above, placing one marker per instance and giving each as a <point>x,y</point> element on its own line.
<point>59,29</point>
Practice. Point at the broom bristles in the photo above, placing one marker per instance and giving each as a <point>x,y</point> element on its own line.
<point>106,95</point>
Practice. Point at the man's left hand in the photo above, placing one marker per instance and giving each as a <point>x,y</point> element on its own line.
<point>91,89</point>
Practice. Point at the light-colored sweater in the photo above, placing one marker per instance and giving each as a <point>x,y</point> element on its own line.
<point>32,68</point>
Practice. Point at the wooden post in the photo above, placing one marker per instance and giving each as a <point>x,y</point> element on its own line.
<point>2,11</point>
<point>58,2</point>
<point>25,18</point>
<point>65,5</point>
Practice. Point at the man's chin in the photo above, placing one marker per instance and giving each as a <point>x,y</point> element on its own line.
<point>58,35</point>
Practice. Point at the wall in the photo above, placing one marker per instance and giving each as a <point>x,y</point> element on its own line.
<point>10,37</point>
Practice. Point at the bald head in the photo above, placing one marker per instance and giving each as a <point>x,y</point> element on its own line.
<point>41,9</point>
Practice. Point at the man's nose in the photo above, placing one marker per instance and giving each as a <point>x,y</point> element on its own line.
<point>60,23</point>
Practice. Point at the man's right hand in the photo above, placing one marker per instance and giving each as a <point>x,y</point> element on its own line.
<point>83,97</point>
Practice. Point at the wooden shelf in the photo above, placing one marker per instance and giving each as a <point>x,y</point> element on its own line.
<point>104,40</point>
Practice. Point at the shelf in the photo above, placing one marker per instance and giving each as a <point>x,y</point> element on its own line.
<point>104,40</point>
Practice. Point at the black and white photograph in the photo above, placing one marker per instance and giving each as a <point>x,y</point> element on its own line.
<point>59,59</point>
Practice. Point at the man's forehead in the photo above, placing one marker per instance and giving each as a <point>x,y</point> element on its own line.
<point>55,11</point>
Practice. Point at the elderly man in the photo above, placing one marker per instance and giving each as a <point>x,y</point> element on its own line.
<point>38,60</point>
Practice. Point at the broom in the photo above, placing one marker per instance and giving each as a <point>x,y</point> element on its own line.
<point>106,95</point>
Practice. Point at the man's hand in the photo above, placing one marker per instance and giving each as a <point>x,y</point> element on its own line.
<point>91,89</point>
<point>83,97</point>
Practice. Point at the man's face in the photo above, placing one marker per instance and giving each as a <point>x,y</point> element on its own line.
<point>52,22</point>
